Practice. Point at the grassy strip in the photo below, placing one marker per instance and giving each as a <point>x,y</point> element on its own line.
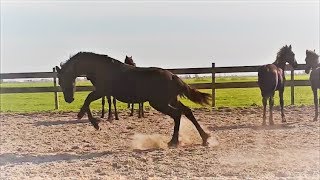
<point>35,102</point>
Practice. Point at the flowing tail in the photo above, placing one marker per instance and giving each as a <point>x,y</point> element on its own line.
<point>193,94</point>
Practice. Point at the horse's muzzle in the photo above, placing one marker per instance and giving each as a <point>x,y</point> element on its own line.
<point>69,100</point>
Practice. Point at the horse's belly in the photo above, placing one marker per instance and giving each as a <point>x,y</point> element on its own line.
<point>130,96</point>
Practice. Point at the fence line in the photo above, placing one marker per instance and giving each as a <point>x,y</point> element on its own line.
<point>207,70</point>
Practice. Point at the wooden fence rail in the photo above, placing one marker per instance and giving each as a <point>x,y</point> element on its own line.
<point>207,70</point>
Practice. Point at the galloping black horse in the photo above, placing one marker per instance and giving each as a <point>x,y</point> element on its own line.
<point>113,78</point>
<point>312,61</point>
<point>271,78</point>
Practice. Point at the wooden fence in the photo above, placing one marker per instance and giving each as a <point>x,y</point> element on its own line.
<point>213,70</point>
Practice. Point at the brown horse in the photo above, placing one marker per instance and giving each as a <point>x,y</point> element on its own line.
<point>129,61</point>
<point>131,85</point>
<point>312,61</point>
<point>271,78</point>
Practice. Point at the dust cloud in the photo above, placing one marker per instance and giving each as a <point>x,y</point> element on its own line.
<point>188,135</point>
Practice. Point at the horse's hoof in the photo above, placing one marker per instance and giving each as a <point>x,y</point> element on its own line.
<point>284,120</point>
<point>205,143</point>
<point>117,118</point>
<point>80,115</point>
<point>264,124</point>
<point>173,144</point>
<point>96,126</point>
<point>271,123</point>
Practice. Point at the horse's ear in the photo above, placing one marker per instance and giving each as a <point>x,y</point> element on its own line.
<point>307,51</point>
<point>314,50</point>
<point>58,69</point>
<point>290,47</point>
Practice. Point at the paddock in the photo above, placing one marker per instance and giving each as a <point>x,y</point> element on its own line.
<point>58,146</point>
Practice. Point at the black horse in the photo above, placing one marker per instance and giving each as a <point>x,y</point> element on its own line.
<point>131,85</point>
<point>312,61</point>
<point>271,78</point>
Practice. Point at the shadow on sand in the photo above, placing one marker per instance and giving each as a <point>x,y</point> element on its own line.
<point>11,158</point>
<point>61,122</point>
<point>254,127</point>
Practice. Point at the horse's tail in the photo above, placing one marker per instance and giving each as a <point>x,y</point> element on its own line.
<point>194,95</point>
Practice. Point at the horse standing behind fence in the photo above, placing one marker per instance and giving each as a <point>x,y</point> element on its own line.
<point>129,61</point>
<point>312,62</point>
<point>271,78</point>
<point>103,102</point>
<point>113,78</point>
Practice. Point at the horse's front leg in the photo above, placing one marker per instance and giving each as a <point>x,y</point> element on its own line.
<point>103,102</point>
<point>109,105</point>
<point>85,108</point>
<point>281,105</point>
<point>316,104</point>
<point>131,113</point>
<point>115,108</point>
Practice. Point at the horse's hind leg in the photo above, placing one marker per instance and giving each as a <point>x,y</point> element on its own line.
<point>271,103</point>
<point>103,102</point>
<point>188,113</point>
<point>115,108</point>
<point>316,104</point>
<point>173,113</point>
<point>281,105</point>
<point>264,102</point>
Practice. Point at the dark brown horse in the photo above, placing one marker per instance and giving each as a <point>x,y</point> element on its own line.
<point>312,61</point>
<point>131,85</point>
<point>129,61</point>
<point>271,78</point>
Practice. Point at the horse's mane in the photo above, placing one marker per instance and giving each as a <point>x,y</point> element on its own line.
<point>282,51</point>
<point>104,57</point>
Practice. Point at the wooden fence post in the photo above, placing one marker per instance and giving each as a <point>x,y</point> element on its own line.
<point>213,85</point>
<point>56,102</point>
<point>292,87</point>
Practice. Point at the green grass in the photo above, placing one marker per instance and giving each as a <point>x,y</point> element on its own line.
<point>35,102</point>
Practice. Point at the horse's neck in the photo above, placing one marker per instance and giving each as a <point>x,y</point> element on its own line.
<point>84,68</point>
<point>280,64</point>
<point>316,66</point>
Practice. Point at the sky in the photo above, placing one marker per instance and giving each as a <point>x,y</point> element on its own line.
<point>38,35</point>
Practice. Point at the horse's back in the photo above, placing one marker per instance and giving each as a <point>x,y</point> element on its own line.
<point>140,84</point>
<point>269,79</point>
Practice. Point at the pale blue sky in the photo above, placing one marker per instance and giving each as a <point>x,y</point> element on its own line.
<point>36,36</point>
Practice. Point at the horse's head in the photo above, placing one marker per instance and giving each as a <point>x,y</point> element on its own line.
<point>312,60</point>
<point>289,56</point>
<point>67,83</point>
<point>129,61</point>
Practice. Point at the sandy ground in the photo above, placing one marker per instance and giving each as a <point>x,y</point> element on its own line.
<point>57,146</point>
